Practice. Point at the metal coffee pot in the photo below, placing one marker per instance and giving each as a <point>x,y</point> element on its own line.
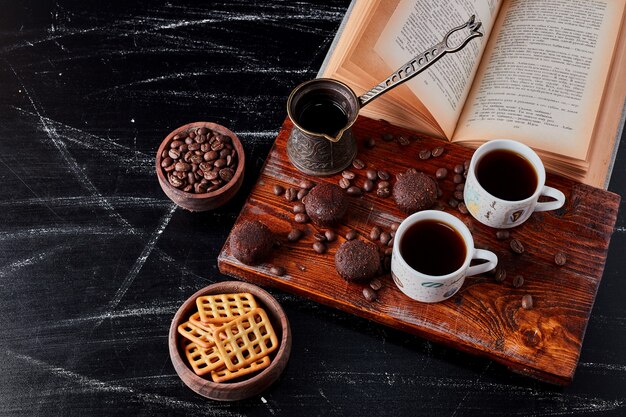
<point>319,154</point>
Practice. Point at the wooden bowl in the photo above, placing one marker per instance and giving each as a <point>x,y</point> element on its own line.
<point>204,201</point>
<point>256,383</point>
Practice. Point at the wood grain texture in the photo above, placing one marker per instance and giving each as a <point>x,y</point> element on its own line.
<point>484,317</point>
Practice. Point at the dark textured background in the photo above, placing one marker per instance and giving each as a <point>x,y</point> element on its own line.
<point>94,260</point>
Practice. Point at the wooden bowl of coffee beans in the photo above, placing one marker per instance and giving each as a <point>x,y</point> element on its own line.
<point>200,165</point>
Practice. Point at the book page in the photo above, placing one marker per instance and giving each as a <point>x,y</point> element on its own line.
<point>419,24</point>
<point>543,75</point>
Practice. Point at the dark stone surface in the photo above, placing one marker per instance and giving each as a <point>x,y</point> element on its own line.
<point>94,260</point>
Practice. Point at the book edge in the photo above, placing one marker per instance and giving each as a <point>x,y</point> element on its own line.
<point>333,45</point>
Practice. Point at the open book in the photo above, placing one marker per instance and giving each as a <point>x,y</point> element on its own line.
<point>548,73</point>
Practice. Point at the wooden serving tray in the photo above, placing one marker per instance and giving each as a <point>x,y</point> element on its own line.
<point>485,317</point>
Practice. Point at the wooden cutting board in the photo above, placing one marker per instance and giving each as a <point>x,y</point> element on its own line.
<point>485,317</point>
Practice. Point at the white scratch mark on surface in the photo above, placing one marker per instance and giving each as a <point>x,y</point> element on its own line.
<point>31,190</point>
<point>67,156</point>
<point>607,366</point>
<point>141,260</point>
<point>97,385</point>
<point>620,229</point>
<point>88,201</point>
<point>40,232</point>
<point>9,269</point>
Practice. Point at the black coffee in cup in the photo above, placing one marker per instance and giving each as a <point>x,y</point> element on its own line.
<point>507,175</point>
<point>433,248</point>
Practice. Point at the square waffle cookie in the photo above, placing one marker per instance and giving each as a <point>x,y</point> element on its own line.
<point>222,308</point>
<point>223,374</point>
<point>245,339</point>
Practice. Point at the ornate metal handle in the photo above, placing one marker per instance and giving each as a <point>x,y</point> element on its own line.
<point>423,61</point>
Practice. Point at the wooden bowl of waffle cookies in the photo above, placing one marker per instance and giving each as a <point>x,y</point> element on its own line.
<point>230,341</point>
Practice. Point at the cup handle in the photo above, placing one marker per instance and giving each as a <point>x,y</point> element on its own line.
<point>490,257</point>
<point>559,199</point>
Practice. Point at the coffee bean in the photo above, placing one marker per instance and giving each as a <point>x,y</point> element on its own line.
<point>191,179</point>
<point>352,234</point>
<point>302,193</point>
<point>358,164</point>
<point>516,246</point>
<point>441,173</point>
<point>182,149</point>
<point>196,159</point>
<point>424,154</point>
<point>375,233</point>
<point>279,271</point>
<point>331,236</point>
<point>527,302</point>
<point>383,184</point>
<point>502,234</point>
<point>466,164</point>
<point>376,284</point>
<point>349,175</point>
<point>298,208</point>
<point>166,162</point>
<point>220,163</point>
<point>200,139</point>
<point>383,192</point>
<point>205,147</point>
<point>291,194</point>
<point>388,251</point>
<point>294,235</point>
<point>458,195</point>
<point>320,237</point>
<point>217,146</point>
<point>387,263</point>
<point>371,174</point>
<point>390,243</point>
<point>344,183</point>
<point>439,192</point>
<point>174,154</point>
<point>211,175</point>
<point>211,156</point>
<point>182,166</point>
<point>387,137</point>
<point>462,208</point>
<point>385,238</point>
<point>560,259</point>
<point>369,294</point>
<point>193,147</point>
<point>403,140</point>
<point>458,169</point>
<point>457,179</point>
<point>278,189</point>
<point>199,188</point>
<point>354,191</point>
<point>500,274</point>
<point>227,174</point>
<point>164,153</point>
<point>176,144</point>
<point>188,188</point>
<point>301,218</point>
<point>319,247</point>
<point>368,185</point>
<point>518,281</point>
<point>175,181</point>
<point>307,184</point>
<point>460,187</point>
<point>383,175</point>
<point>394,226</point>
<point>437,152</point>
<point>370,142</point>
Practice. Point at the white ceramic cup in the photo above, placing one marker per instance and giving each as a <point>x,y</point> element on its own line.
<point>435,288</point>
<point>502,214</point>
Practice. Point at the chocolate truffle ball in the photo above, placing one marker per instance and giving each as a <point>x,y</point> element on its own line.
<point>326,204</point>
<point>251,242</point>
<point>357,260</point>
<point>414,191</point>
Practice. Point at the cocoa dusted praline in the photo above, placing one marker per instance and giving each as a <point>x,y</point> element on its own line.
<point>357,260</point>
<point>251,242</point>
<point>414,191</point>
<point>326,204</point>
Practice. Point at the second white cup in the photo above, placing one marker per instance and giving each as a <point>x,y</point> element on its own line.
<point>431,256</point>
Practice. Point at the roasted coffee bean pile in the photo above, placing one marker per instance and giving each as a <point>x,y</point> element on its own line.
<point>199,160</point>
